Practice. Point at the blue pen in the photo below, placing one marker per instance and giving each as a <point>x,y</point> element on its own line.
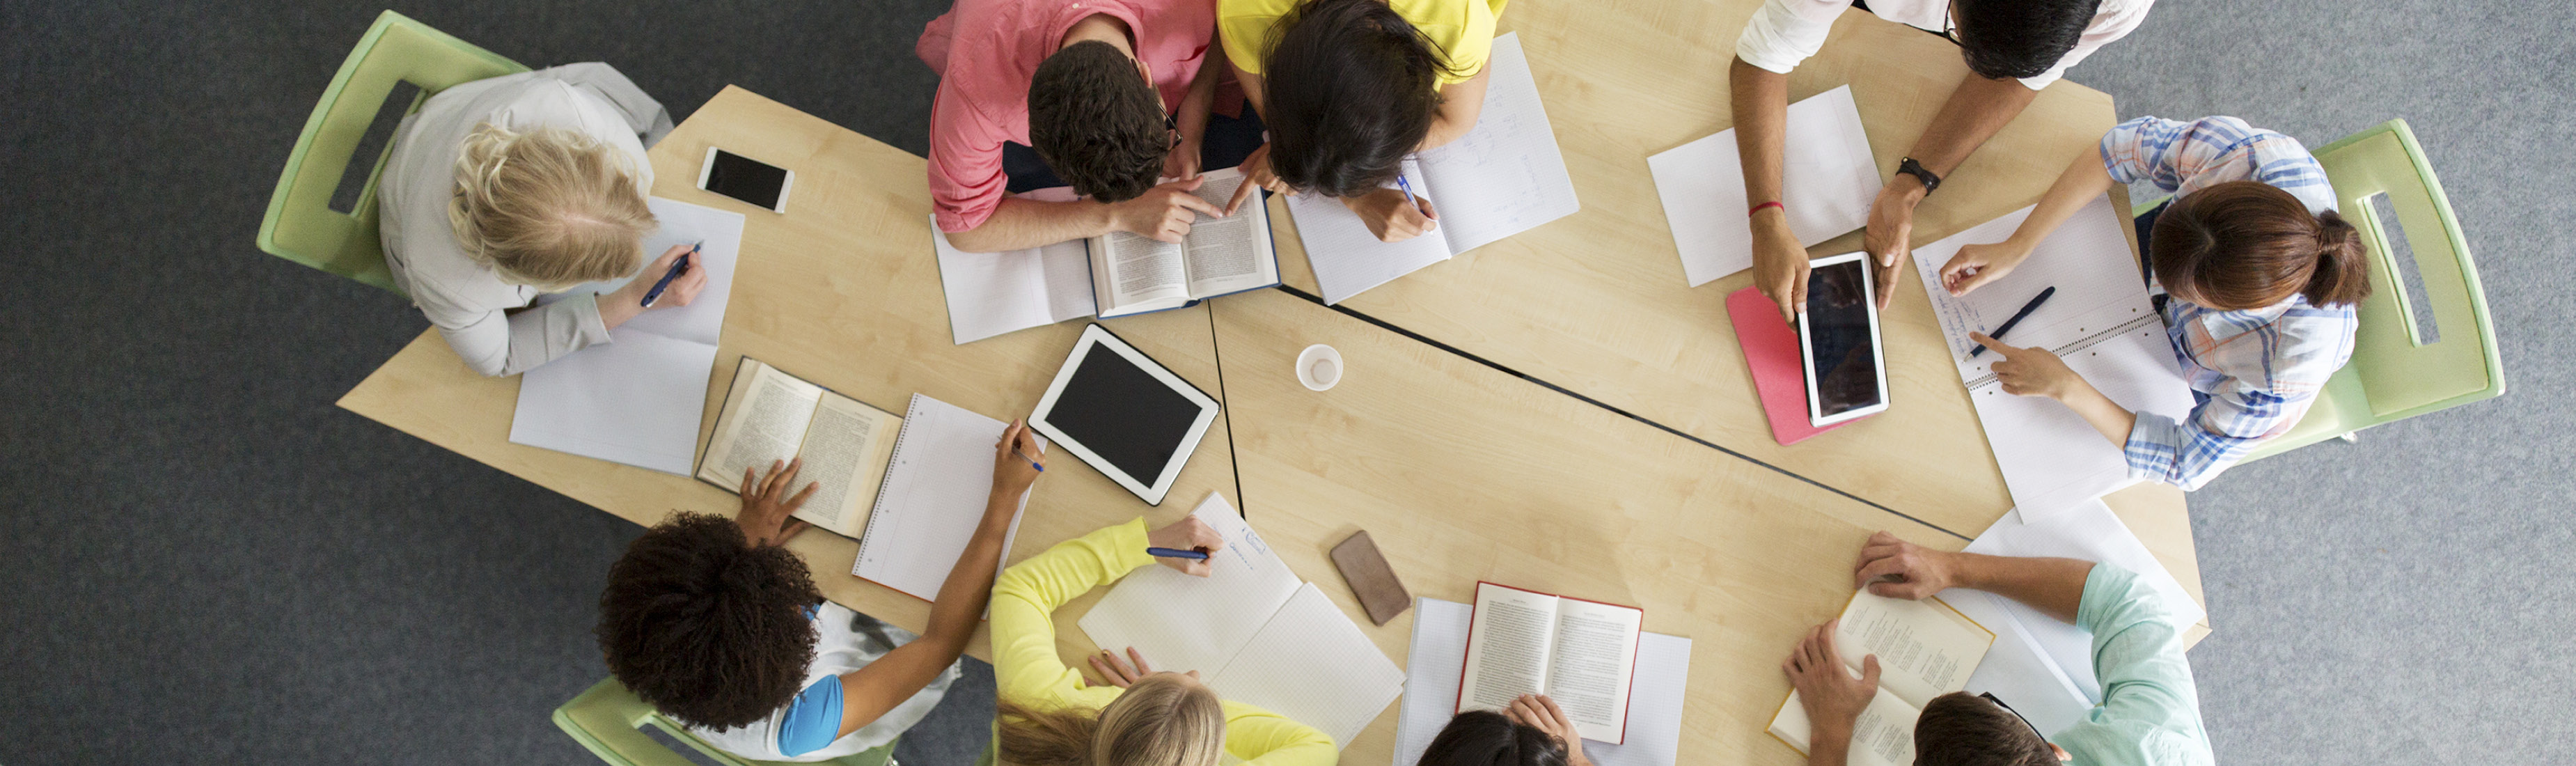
<point>1033,462</point>
<point>678,266</point>
<point>1175,553</point>
<point>1407,187</point>
<point>2017,316</point>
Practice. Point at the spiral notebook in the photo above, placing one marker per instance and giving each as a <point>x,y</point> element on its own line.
<point>931,499</point>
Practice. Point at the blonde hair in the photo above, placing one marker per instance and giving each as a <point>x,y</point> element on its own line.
<point>549,208</point>
<point>1161,720</point>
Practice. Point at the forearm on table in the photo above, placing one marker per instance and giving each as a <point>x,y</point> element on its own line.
<point>1760,100</point>
<point>1020,224</point>
<point>2054,586</point>
<point>1828,746</point>
<point>970,583</point>
<point>1975,111</point>
<point>2107,417</point>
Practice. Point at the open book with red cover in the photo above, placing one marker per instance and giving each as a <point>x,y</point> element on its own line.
<point>1582,654</point>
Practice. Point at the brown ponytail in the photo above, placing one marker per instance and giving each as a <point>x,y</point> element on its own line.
<point>1160,720</point>
<point>2247,245</point>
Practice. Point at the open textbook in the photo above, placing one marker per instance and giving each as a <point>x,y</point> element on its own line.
<point>1828,180</point>
<point>1504,177</point>
<point>1438,659</point>
<point>2100,322</point>
<point>1925,649</point>
<point>1133,274</point>
<point>637,400</point>
<point>1582,654</point>
<point>911,488</point>
<point>2040,666</point>
<point>1258,633</point>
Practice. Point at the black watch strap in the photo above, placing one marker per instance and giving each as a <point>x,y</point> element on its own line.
<point>1915,169</point>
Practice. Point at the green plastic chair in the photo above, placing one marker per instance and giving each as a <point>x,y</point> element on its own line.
<point>2395,373</point>
<point>301,226</point>
<point>608,720</point>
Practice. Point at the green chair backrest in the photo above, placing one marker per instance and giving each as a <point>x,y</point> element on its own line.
<point>608,718</point>
<point>300,225</point>
<point>2401,368</point>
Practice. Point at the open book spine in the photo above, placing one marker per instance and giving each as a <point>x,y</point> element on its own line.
<point>885,485</point>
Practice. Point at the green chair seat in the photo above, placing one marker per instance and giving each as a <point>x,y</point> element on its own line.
<point>300,225</point>
<point>608,719</point>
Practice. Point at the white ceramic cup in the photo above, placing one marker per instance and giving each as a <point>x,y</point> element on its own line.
<point>1319,367</point>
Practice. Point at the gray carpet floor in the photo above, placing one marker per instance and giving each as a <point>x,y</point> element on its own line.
<point>203,561</point>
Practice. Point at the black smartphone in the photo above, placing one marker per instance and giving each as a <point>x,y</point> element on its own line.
<point>746,179</point>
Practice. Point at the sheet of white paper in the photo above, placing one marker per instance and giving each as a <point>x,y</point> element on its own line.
<point>994,293</point>
<point>2047,662</point>
<point>1347,259</point>
<point>1312,664</point>
<point>2086,259</point>
<point>1189,623</point>
<point>932,498</point>
<point>1439,649</point>
<point>1828,179</point>
<point>1506,176</point>
<point>636,401</point>
<point>2052,459</point>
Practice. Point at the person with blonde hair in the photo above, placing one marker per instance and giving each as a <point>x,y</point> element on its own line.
<point>502,189</point>
<point>1048,715</point>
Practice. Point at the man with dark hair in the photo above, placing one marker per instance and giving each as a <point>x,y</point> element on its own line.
<point>718,626</point>
<point>1111,95</point>
<point>2150,711</point>
<point>2013,49</point>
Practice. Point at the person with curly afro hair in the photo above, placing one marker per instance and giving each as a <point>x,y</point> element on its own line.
<point>720,627</point>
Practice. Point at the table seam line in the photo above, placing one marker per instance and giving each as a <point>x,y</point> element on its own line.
<point>1464,354</point>
<point>1233,457</point>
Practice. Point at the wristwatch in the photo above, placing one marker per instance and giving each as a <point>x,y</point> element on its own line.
<point>1915,169</point>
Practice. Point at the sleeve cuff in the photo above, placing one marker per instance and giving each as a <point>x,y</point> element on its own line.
<point>585,312</point>
<point>812,720</point>
<point>2154,447</point>
<point>1127,541</point>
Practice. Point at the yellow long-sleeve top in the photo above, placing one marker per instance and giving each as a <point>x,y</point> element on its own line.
<point>1027,671</point>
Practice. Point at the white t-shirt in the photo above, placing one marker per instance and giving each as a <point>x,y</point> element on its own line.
<point>839,647</point>
<point>1785,32</point>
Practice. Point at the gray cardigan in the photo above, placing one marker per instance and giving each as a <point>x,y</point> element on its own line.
<point>473,307</point>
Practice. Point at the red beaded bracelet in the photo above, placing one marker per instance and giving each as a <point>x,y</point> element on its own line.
<point>1758,208</point>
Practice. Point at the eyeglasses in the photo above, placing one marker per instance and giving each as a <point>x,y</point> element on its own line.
<point>1999,702</point>
<point>1950,30</point>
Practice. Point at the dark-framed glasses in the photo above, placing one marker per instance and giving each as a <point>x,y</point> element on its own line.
<point>1999,702</point>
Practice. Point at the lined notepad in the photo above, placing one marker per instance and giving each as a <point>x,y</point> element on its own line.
<point>932,498</point>
<point>1828,180</point>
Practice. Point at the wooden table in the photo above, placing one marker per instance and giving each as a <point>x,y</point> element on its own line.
<point>843,291</point>
<point>1596,302</point>
<point>1461,472</point>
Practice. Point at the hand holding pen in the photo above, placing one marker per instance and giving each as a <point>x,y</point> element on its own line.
<point>1185,545</point>
<point>679,283</point>
<point>1017,459</point>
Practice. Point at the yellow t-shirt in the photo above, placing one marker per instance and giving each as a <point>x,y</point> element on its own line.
<point>1463,28</point>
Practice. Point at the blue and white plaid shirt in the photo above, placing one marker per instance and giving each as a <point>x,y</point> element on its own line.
<point>2253,373</point>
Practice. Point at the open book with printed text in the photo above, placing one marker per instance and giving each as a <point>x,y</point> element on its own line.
<point>1134,274</point>
<point>1582,654</point>
<point>1925,649</point>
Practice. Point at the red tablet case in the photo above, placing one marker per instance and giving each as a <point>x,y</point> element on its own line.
<point>1771,354</point>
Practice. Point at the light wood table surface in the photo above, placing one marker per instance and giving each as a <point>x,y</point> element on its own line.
<point>842,290</point>
<point>1461,473</point>
<point>1596,302</point>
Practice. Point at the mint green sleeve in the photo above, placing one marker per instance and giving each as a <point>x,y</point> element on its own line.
<point>2150,711</point>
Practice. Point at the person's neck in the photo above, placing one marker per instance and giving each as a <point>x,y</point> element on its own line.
<point>1102,27</point>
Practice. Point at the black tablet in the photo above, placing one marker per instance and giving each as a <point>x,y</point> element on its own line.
<point>1124,414</point>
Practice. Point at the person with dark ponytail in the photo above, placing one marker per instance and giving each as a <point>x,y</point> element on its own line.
<point>2261,273</point>
<point>1349,88</point>
<point>1533,732</point>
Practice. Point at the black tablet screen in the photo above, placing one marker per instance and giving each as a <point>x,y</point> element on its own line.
<point>1838,339</point>
<point>1123,414</point>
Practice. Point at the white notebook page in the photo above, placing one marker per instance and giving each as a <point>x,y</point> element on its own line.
<point>1186,623</point>
<point>1347,259</point>
<point>1828,180</point>
<point>1311,663</point>
<point>932,499</point>
<point>1506,176</point>
<point>994,293</point>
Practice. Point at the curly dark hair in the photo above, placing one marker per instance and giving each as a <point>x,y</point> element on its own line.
<point>704,626</point>
<point>1352,88</point>
<point>1097,123</point>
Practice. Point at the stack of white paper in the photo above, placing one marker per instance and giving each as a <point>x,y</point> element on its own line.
<point>638,399</point>
<point>994,293</point>
<point>1439,657</point>
<point>2043,668</point>
<point>1828,179</point>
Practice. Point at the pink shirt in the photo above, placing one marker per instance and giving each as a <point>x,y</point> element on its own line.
<point>984,90</point>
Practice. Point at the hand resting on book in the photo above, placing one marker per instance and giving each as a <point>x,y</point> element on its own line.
<point>766,505</point>
<point>1832,698</point>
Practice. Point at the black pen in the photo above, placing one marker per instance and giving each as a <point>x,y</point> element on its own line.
<point>677,266</point>
<point>2007,326</point>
